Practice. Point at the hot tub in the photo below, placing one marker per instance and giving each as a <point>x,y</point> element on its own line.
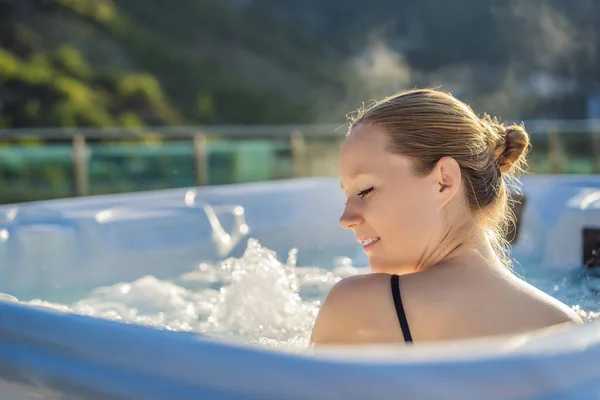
<point>211,293</point>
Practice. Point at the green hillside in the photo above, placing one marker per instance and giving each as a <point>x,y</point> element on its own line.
<point>99,62</point>
<point>134,62</point>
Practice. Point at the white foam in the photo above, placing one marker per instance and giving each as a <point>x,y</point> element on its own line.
<point>254,299</point>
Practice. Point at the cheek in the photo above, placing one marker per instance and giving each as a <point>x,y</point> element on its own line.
<point>413,209</point>
<point>407,218</point>
<point>406,222</point>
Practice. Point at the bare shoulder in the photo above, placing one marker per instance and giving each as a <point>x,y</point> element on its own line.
<point>360,309</point>
<point>347,313</point>
<point>439,304</point>
<point>552,309</point>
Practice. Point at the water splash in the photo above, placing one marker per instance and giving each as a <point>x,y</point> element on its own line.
<point>258,300</point>
<point>254,299</point>
<point>263,302</point>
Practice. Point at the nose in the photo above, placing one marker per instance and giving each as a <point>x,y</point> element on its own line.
<point>350,217</point>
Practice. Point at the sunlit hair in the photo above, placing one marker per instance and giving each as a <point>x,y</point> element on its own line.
<point>426,125</point>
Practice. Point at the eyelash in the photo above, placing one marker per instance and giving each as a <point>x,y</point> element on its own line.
<point>362,193</point>
<point>365,192</point>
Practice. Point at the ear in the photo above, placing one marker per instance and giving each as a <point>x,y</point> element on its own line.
<point>447,177</point>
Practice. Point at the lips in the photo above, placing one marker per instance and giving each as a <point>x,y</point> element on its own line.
<point>367,241</point>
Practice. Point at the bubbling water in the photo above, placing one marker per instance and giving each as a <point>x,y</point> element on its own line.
<point>258,300</point>
<point>254,299</point>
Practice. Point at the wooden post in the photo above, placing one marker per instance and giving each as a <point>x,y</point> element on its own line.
<point>298,148</point>
<point>201,158</point>
<point>80,166</point>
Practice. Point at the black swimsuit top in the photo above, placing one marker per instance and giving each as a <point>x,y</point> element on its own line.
<point>400,309</point>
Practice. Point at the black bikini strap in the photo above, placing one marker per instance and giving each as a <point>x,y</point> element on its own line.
<point>400,309</point>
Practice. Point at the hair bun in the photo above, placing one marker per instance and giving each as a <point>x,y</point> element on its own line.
<point>510,147</point>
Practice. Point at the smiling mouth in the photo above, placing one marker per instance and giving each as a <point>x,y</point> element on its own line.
<point>369,242</point>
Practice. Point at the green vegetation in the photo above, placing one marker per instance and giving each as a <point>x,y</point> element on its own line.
<point>105,63</point>
<point>131,63</point>
<point>146,62</point>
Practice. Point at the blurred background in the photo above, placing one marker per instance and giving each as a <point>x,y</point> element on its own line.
<point>109,96</point>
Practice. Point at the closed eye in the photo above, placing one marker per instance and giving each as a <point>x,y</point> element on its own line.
<point>365,192</point>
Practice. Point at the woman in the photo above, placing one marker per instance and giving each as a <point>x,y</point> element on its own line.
<point>425,182</point>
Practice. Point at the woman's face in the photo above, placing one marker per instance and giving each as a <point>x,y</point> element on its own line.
<point>393,212</point>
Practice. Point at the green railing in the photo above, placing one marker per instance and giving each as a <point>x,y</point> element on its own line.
<point>52,163</point>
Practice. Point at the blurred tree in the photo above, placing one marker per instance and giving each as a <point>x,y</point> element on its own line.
<point>132,62</point>
<point>53,85</point>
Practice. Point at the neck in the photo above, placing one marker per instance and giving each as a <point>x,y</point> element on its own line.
<point>467,244</point>
<point>474,249</point>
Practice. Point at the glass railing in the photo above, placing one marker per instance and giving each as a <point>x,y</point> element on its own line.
<point>45,164</point>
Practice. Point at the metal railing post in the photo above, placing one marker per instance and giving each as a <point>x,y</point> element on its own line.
<point>201,159</point>
<point>554,152</point>
<point>298,150</point>
<point>596,151</point>
<point>80,166</point>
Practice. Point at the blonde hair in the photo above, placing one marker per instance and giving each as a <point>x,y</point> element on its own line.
<point>426,125</point>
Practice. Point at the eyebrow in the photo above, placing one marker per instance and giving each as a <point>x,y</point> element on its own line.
<point>352,176</point>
